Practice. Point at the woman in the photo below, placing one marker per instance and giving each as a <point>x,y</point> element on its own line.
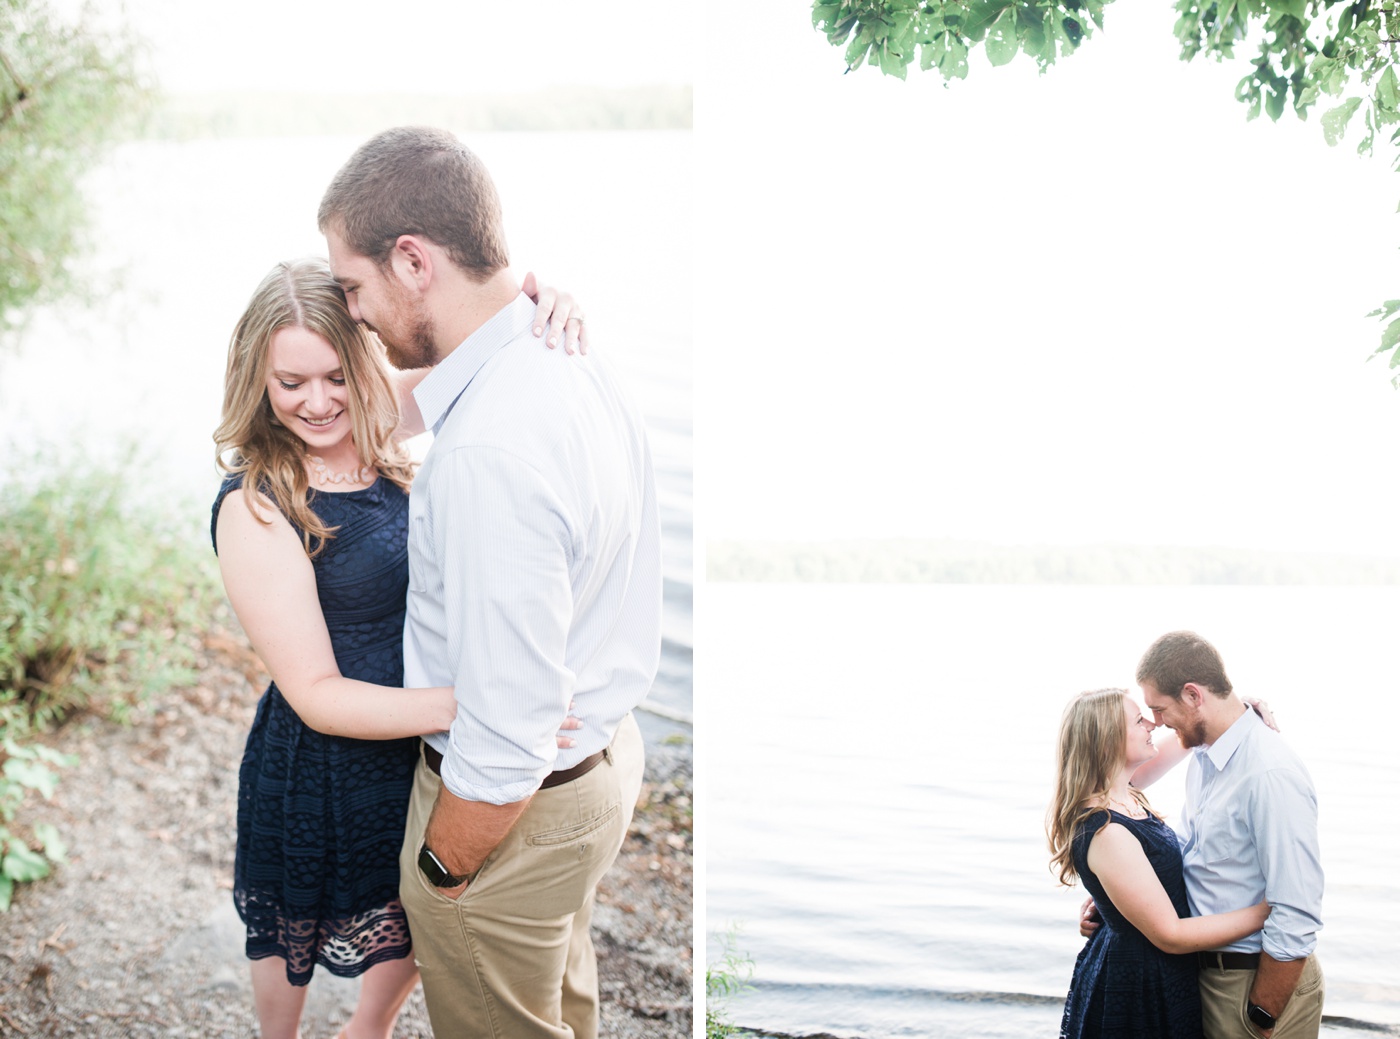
<point>315,564</point>
<point>1136,976</point>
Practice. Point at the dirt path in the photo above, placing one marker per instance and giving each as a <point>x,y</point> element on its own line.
<point>137,936</point>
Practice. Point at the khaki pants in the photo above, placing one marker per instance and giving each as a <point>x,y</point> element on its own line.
<point>512,958</point>
<point>1224,994</point>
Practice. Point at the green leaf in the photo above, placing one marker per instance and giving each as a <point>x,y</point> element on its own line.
<point>828,13</point>
<point>981,14</point>
<point>1388,90</point>
<point>1334,120</point>
<point>953,64</point>
<point>32,775</point>
<point>1389,338</point>
<point>1274,103</point>
<point>7,890</point>
<point>855,53</point>
<point>1386,309</point>
<point>1297,8</point>
<point>53,844</point>
<point>1002,43</point>
<point>54,757</point>
<point>892,63</point>
<point>22,865</point>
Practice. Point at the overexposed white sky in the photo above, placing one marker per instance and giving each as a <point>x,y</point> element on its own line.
<point>1094,305</point>
<point>424,47</point>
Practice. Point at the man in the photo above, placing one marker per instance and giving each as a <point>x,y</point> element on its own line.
<point>1249,834</point>
<point>534,579</point>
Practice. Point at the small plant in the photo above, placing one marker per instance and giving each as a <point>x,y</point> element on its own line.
<point>725,979</point>
<point>97,592</point>
<point>25,768</point>
<point>101,602</point>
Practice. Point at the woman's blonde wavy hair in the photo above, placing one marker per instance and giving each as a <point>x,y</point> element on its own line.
<point>1091,750</point>
<point>251,441</point>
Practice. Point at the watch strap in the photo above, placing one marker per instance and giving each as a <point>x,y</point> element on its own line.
<point>435,871</point>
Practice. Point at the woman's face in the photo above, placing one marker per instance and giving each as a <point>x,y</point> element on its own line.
<point>306,388</point>
<point>1139,728</point>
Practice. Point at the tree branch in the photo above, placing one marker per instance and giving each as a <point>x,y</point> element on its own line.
<point>23,90</point>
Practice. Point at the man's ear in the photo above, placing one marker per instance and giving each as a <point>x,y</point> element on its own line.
<point>412,262</point>
<point>1194,695</point>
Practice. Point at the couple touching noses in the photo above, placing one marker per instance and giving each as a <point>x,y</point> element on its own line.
<point>1211,929</point>
<point>502,601</point>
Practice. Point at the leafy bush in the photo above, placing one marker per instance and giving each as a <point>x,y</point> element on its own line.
<point>69,88</point>
<point>94,590</point>
<point>724,980</point>
<point>26,768</point>
<point>100,601</point>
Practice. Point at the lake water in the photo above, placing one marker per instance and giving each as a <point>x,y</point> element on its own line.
<point>875,787</point>
<point>185,231</point>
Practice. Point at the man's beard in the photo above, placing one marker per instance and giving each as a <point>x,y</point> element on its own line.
<point>417,347</point>
<point>1193,734</point>
<point>419,351</point>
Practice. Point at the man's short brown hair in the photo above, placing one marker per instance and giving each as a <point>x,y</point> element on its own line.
<point>421,181</point>
<point>1179,657</point>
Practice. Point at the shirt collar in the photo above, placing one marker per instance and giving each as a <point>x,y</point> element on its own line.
<point>1222,750</point>
<point>436,394</point>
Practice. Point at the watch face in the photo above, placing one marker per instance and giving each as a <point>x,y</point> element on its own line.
<point>1261,1017</point>
<point>434,870</point>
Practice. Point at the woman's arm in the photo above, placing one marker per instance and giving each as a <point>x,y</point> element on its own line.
<point>410,418</point>
<point>1170,753</point>
<point>1121,865</point>
<point>272,587</point>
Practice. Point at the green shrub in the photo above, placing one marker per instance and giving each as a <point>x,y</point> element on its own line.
<point>26,768</point>
<point>69,89</point>
<point>102,599</point>
<point>97,589</point>
<point>724,980</point>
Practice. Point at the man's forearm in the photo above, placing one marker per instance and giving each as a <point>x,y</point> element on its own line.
<point>1274,982</point>
<point>464,833</point>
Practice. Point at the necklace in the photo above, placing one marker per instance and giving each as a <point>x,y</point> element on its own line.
<point>325,475</point>
<point>1129,808</point>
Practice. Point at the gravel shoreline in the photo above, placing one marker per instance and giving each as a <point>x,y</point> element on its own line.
<point>136,934</point>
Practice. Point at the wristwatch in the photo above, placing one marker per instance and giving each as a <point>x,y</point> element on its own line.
<point>1260,1016</point>
<point>436,872</point>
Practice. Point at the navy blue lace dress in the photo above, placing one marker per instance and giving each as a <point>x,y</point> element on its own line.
<point>1124,987</point>
<point>321,818</point>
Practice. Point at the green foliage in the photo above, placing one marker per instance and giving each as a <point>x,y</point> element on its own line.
<point>95,590</point>
<point>724,980</point>
<point>67,91</point>
<point>889,33</point>
<point>101,603</point>
<point>1339,53</point>
<point>26,767</point>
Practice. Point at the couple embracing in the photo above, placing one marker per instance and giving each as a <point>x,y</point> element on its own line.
<point>507,611</point>
<point>1211,932</point>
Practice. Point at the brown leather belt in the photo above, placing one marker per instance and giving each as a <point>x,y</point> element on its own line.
<point>1228,960</point>
<point>564,775</point>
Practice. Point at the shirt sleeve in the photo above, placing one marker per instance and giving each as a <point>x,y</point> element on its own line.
<point>507,547</point>
<point>1286,835</point>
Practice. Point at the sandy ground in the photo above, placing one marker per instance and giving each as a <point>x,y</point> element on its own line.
<point>137,936</point>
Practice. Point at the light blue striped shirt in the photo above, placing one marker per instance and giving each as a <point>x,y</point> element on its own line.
<point>1249,834</point>
<point>534,553</point>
